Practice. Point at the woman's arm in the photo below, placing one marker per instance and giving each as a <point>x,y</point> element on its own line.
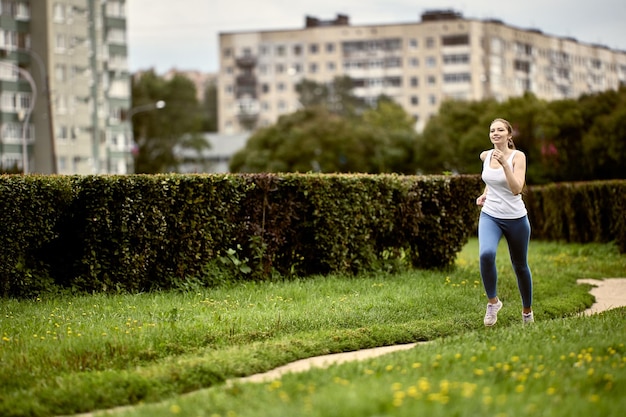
<point>516,176</point>
<point>480,201</point>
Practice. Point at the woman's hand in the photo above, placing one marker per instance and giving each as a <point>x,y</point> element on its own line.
<point>498,155</point>
<point>480,201</point>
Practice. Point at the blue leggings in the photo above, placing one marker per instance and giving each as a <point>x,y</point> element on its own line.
<point>517,234</point>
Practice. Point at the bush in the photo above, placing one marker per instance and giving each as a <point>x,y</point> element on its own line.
<point>581,212</point>
<point>138,233</point>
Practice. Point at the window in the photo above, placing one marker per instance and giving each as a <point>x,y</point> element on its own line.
<point>61,43</point>
<point>523,66</point>
<point>330,47</point>
<point>432,99</point>
<point>297,50</point>
<point>414,62</point>
<point>115,9</point>
<point>60,73</point>
<point>265,88</point>
<point>9,72</point>
<point>280,86</point>
<point>280,68</point>
<point>330,66</point>
<point>453,59</point>
<point>430,42</point>
<point>280,50</point>
<point>431,62</point>
<point>457,78</point>
<point>8,39</point>
<point>228,52</point>
<point>431,80</point>
<point>313,48</point>
<point>455,40</point>
<point>13,102</point>
<point>313,68</point>
<point>58,12</point>
<point>415,101</point>
<point>413,43</point>
<point>414,82</point>
<point>61,132</point>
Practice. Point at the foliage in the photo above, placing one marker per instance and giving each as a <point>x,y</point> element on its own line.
<point>137,233</point>
<point>314,139</point>
<point>579,212</point>
<point>564,140</point>
<point>158,133</point>
<point>336,97</point>
<point>30,210</point>
<point>62,355</point>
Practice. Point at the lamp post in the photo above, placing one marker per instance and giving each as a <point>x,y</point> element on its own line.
<point>140,109</point>
<point>44,85</point>
<point>25,117</point>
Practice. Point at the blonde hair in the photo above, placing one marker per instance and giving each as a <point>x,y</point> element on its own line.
<point>508,126</point>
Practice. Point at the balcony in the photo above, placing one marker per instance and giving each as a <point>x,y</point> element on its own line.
<point>246,62</point>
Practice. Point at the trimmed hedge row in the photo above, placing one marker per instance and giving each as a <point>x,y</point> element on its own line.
<point>581,212</point>
<point>139,233</point>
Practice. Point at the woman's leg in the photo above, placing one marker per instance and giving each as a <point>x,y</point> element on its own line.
<point>489,235</point>
<point>517,234</point>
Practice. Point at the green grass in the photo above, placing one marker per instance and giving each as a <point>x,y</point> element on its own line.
<point>65,355</point>
<point>561,367</point>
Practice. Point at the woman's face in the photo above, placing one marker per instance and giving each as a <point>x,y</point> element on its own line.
<point>499,133</point>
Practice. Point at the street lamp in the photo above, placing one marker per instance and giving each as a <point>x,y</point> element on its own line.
<point>140,109</point>
<point>25,117</point>
<point>44,84</point>
<point>146,107</point>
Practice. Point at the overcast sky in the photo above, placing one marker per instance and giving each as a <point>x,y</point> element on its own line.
<point>183,34</point>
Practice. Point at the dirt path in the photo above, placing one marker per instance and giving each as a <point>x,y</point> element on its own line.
<point>610,293</point>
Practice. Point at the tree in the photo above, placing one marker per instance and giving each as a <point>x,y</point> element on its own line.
<point>337,97</point>
<point>315,139</point>
<point>210,108</point>
<point>452,140</point>
<point>158,133</point>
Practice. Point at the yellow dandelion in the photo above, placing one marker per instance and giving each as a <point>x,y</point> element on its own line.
<point>479,372</point>
<point>519,389</point>
<point>175,409</point>
<point>551,391</point>
<point>416,365</point>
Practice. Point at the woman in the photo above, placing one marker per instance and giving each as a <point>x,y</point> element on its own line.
<point>503,213</point>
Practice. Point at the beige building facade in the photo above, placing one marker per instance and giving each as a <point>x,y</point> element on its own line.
<point>420,64</point>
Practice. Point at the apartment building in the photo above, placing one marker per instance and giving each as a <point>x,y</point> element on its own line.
<point>419,64</point>
<point>65,86</point>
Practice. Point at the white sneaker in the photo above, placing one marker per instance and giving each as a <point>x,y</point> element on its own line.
<point>491,316</point>
<point>528,318</point>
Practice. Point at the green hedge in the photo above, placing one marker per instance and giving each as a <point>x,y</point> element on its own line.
<point>580,212</point>
<point>139,233</point>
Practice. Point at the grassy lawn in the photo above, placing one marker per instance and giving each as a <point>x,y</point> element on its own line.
<point>67,355</point>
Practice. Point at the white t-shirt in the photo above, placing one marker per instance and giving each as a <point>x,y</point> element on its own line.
<point>500,202</point>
